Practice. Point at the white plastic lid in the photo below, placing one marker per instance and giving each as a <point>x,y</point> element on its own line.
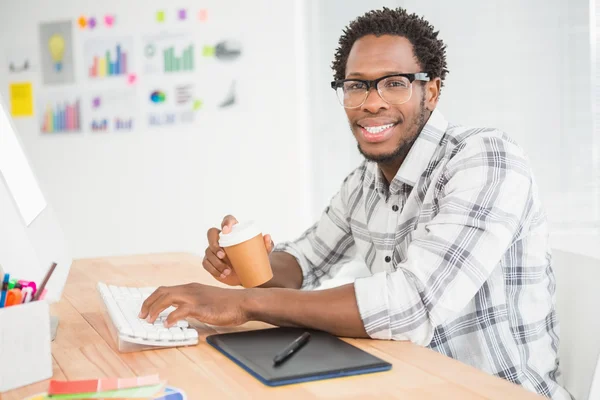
<point>240,232</point>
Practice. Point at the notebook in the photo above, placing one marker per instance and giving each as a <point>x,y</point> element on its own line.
<point>324,356</point>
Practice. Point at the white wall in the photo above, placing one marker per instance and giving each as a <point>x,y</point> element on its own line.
<point>521,66</point>
<point>160,190</point>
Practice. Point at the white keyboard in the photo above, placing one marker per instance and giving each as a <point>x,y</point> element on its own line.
<point>123,305</point>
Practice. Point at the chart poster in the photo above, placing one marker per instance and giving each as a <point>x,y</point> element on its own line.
<point>109,58</point>
<point>56,51</point>
<point>174,104</point>
<point>60,112</point>
<point>170,54</point>
<point>110,111</point>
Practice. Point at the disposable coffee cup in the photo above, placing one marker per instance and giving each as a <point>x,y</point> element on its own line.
<point>246,250</point>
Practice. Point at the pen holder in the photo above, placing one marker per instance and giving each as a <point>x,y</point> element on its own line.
<point>25,352</point>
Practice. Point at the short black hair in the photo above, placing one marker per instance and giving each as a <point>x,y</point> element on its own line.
<point>428,49</point>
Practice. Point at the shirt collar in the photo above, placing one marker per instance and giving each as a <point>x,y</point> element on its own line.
<point>420,154</point>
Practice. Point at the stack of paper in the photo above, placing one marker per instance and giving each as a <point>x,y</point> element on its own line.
<point>144,387</point>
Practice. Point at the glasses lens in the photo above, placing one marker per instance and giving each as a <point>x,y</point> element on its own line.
<point>352,93</point>
<point>395,90</point>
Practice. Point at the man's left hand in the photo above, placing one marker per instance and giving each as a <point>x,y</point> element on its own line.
<point>209,304</point>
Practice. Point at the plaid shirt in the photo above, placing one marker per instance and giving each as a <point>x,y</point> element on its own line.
<point>457,246</point>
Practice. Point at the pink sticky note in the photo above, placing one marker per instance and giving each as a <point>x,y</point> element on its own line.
<point>109,20</point>
<point>203,15</point>
<point>131,78</point>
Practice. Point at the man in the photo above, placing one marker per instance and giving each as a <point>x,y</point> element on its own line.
<point>447,219</point>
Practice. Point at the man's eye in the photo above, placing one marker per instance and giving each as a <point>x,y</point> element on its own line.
<point>355,86</point>
<point>399,84</point>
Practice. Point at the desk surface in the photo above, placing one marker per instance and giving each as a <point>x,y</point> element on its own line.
<point>84,349</point>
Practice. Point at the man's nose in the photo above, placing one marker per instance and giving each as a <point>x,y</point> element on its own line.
<point>374,102</point>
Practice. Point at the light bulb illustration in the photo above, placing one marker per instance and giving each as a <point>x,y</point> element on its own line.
<point>56,44</point>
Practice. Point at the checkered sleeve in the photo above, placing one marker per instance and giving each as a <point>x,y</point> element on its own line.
<point>484,202</point>
<point>329,243</point>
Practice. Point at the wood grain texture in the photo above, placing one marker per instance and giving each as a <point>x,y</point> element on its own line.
<point>85,348</point>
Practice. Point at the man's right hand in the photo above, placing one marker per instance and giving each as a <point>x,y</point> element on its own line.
<point>216,261</point>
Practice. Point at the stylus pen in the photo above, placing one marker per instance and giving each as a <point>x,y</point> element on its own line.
<point>291,348</point>
<point>40,291</point>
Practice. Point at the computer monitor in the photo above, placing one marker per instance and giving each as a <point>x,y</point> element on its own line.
<point>31,238</point>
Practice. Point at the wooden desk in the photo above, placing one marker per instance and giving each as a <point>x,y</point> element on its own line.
<point>85,349</point>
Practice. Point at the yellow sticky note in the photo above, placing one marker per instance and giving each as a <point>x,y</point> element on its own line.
<point>21,99</point>
<point>208,51</point>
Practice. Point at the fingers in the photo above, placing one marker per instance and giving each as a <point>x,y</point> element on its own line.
<point>227,223</point>
<point>209,267</point>
<point>149,301</point>
<point>213,243</point>
<point>213,239</point>
<point>156,303</point>
<point>179,314</point>
<point>160,305</point>
<point>211,260</point>
<point>269,243</point>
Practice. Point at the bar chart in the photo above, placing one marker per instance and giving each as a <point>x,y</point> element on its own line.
<point>109,64</point>
<point>172,63</point>
<point>62,117</point>
<point>109,110</point>
<point>123,124</point>
<point>99,126</point>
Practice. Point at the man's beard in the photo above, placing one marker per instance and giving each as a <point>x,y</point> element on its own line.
<point>415,127</point>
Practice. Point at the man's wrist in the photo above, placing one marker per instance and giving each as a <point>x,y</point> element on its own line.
<point>252,303</point>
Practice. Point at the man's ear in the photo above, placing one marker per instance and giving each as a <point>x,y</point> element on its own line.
<point>432,93</point>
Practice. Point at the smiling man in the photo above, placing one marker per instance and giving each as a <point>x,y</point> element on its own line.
<point>447,219</point>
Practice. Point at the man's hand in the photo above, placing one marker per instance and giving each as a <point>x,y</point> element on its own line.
<point>209,304</point>
<point>331,310</point>
<point>216,261</point>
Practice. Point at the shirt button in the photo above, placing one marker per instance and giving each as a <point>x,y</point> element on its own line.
<point>388,259</point>
<point>395,207</point>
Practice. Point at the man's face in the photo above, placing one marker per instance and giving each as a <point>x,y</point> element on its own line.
<point>370,58</point>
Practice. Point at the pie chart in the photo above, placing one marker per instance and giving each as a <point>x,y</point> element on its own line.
<point>158,97</point>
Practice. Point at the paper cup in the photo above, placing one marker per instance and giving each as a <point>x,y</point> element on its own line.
<point>245,248</point>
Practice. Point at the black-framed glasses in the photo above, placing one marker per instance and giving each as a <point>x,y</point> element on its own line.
<point>394,89</point>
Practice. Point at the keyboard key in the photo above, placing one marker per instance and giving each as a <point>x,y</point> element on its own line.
<point>127,331</point>
<point>167,311</point>
<point>183,323</point>
<point>153,335</point>
<point>166,335</point>
<point>177,333</point>
<point>146,325</point>
<point>140,332</point>
<point>115,292</point>
<point>115,313</point>
<point>135,293</point>
<point>125,292</point>
<point>146,291</point>
<point>190,333</point>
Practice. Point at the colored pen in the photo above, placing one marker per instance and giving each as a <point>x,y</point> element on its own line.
<point>4,289</point>
<point>44,282</point>
<point>291,348</point>
<point>32,285</point>
<point>13,297</point>
<point>27,294</point>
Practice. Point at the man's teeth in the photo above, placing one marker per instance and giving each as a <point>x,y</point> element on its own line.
<point>377,129</point>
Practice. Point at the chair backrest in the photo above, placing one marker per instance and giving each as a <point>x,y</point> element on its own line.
<point>578,309</point>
